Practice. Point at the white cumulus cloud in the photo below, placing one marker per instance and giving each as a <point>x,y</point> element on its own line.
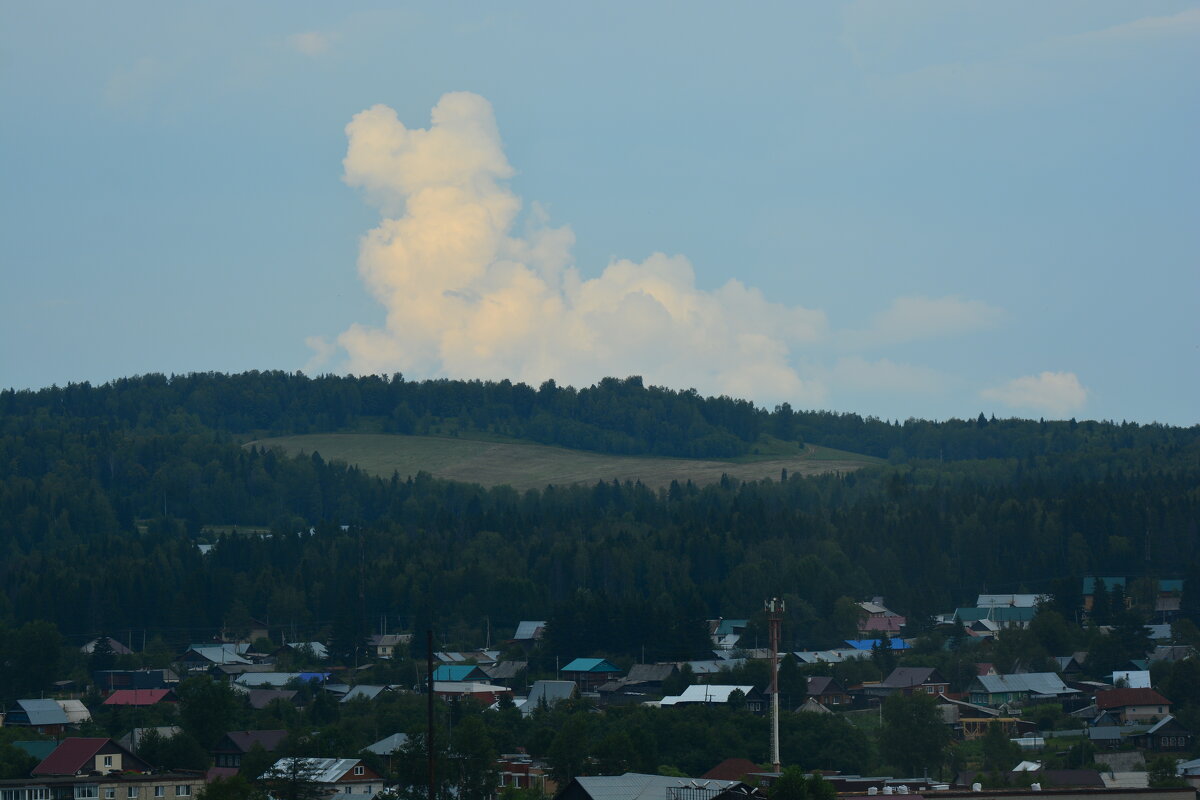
<point>1058,393</point>
<point>468,295</point>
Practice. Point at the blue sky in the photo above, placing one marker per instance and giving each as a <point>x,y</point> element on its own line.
<point>923,209</point>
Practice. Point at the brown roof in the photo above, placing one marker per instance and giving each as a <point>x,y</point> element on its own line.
<point>819,684</point>
<point>242,741</point>
<point>74,755</point>
<point>261,698</point>
<point>140,697</point>
<point>731,769</point>
<point>904,677</point>
<point>1119,698</point>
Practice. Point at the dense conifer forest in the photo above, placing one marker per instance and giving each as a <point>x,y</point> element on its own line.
<point>107,491</point>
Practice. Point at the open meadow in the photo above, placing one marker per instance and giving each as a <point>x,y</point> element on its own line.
<point>534,466</point>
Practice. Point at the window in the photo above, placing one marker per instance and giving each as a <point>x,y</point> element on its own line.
<point>359,771</point>
<point>10,794</point>
<point>86,791</point>
<point>108,761</point>
<point>160,791</point>
<point>110,793</point>
<point>39,793</point>
<point>131,792</point>
<point>183,790</point>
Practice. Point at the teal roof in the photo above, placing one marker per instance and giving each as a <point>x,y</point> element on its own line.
<point>39,750</point>
<point>970,614</point>
<point>1011,614</point>
<point>729,626</point>
<point>591,665</point>
<point>454,672</point>
<point>1170,586</point>
<point>1089,584</point>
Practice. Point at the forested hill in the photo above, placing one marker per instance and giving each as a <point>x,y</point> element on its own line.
<point>105,493</point>
<point>613,416</point>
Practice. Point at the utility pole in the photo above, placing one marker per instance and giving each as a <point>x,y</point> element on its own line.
<point>775,610</point>
<point>429,710</point>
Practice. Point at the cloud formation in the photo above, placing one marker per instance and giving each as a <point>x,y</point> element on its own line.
<point>913,318</point>
<point>310,43</point>
<point>1058,393</point>
<point>467,295</point>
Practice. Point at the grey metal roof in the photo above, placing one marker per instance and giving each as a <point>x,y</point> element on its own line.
<point>1033,682</point>
<point>321,770</point>
<point>503,670</point>
<point>549,691</point>
<point>1154,728</point>
<point>43,712</point>
<point>75,710</point>
<point>706,693</point>
<point>363,691</point>
<point>1014,600</point>
<point>220,654</point>
<point>276,679</point>
<point>649,672</point>
<point>133,739</point>
<point>636,786</point>
<point>387,745</point>
<point>529,629</point>
<point>710,667</point>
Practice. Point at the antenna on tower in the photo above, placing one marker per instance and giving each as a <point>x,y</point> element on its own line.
<point>775,611</point>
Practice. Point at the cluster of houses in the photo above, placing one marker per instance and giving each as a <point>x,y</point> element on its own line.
<point>1124,711</point>
<point>95,768</point>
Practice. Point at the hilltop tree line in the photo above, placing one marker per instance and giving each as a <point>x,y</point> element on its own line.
<point>615,416</point>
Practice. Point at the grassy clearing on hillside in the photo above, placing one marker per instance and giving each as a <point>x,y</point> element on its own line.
<point>533,466</point>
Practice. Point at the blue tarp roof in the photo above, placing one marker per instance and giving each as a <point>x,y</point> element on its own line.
<point>869,644</point>
<point>319,677</point>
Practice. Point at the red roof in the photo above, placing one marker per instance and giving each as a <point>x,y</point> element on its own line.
<point>70,757</point>
<point>140,697</point>
<point>731,769</point>
<point>889,624</point>
<point>1119,698</point>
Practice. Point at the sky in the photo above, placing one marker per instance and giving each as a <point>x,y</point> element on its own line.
<point>925,209</point>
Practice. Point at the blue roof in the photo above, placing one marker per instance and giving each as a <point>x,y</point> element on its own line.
<point>43,712</point>
<point>591,665</point>
<point>1170,585</point>
<point>869,644</point>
